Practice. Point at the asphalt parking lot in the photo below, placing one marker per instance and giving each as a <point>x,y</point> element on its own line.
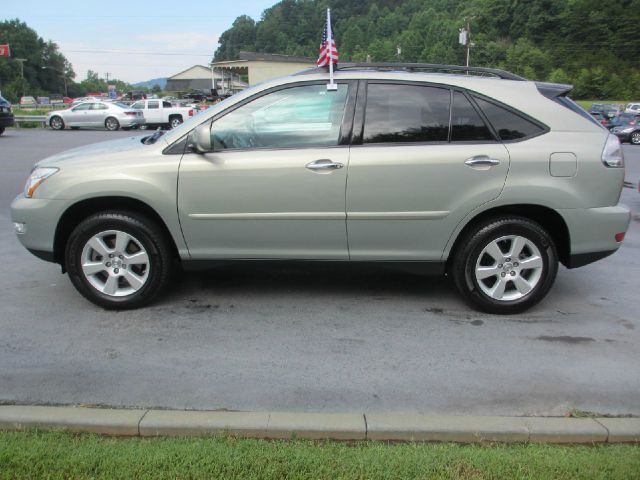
<point>328,339</point>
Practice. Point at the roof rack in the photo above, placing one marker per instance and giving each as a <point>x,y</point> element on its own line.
<point>418,67</point>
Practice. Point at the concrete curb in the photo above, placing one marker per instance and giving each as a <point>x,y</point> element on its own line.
<point>335,426</point>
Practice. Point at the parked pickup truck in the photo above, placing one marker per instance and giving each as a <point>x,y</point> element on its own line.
<point>162,113</point>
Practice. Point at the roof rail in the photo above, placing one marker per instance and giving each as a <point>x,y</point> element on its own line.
<point>417,67</point>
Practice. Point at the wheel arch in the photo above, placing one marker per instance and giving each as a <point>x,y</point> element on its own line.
<point>77,212</point>
<point>546,217</point>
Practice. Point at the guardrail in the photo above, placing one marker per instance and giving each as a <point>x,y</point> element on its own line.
<point>18,119</point>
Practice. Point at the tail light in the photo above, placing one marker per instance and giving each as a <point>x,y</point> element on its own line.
<point>612,153</point>
<point>620,237</point>
<point>131,113</point>
<point>191,113</point>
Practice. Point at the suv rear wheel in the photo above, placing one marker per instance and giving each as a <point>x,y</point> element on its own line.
<point>118,260</point>
<point>506,265</point>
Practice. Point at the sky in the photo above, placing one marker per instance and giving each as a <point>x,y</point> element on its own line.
<point>132,40</point>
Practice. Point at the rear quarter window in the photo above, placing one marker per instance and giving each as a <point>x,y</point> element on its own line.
<point>508,125</point>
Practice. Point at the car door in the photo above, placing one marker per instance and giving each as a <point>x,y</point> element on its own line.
<point>153,113</point>
<point>274,184</point>
<point>422,159</point>
<point>78,116</point>
<point>97,114</point>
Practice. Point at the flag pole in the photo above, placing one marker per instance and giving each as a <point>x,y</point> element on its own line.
<point>330,85</point>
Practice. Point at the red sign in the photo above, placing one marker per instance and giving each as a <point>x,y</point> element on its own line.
<point>4,50</point>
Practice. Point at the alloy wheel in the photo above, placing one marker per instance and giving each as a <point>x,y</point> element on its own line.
<point>509,268</point>
<point>115,263</point>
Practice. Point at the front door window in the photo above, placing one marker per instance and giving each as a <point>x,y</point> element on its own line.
<point>296,117</point>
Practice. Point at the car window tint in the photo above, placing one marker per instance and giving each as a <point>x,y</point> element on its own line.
<point>153,105</point>
<point>293,117</point>
<point>99,106</point>
<point>406,113</point>
<point>466,123</point>
<point>138,106</point>
<point>82,106</point>
<point>166,105</point>
<point>509,125</point>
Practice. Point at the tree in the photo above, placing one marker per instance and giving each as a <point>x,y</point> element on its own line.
<point>575,41</point>
<point>45,68</point>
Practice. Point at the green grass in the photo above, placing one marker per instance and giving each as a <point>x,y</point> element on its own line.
<point>587,103</point>
<point>52,455</point>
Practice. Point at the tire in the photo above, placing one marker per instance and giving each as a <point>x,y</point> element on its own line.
<point>143,127</point>
<point>111,124</point>
<point>635,138</point>
<point>56,123</point>
<point>175,121</point>
<point>496,282</point>
<point>1,130</point>
<point>97,253</point>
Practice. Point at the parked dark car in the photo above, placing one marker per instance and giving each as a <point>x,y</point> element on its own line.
<point>6,115</point>
<point>625,119</point>
<point>607,109</point>
<point>135,95</point>
<point>56,99</point>
<point>627,128</point>
<point>603,119</point>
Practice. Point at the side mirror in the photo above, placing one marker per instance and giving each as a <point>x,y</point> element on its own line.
<point>201,138</point>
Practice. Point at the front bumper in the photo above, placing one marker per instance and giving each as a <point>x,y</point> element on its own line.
<point>592,232</point>
<point>6,120</point>
<point>40,218</point>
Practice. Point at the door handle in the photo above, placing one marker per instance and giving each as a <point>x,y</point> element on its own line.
<point>324,164</point>
<point>482,161</point>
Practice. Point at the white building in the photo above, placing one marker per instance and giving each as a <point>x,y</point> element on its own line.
<point>258,67</point>
<point>200,77</point>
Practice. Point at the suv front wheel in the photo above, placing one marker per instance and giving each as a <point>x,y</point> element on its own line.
<point>118,260</point>
<point>506,265</point>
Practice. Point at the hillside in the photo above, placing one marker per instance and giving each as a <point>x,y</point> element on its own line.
<point>589,43</point>
<point>161,82</point>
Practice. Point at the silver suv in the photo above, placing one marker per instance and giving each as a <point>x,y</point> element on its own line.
<point>474,173</point>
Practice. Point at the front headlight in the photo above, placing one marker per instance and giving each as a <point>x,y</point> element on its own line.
<point>37,177</point>
<point>628,130</point>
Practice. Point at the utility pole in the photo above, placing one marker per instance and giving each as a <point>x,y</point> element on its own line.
<point>22,60</point>
<point>465,37</point>
<point>468,39</point>
<point>107,76</point>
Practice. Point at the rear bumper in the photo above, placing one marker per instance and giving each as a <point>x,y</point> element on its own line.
<point>592,232</point>
<point>131,121</point>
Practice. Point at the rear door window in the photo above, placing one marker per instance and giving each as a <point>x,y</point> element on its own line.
<point>406,113</point>
<point>466,123</point>
<point>509,125</point>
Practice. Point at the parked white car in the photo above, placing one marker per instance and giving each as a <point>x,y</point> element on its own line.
<point>632,108</point>
<point>163,113</point>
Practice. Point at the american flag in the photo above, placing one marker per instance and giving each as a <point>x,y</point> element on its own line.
<point>327,47</point>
